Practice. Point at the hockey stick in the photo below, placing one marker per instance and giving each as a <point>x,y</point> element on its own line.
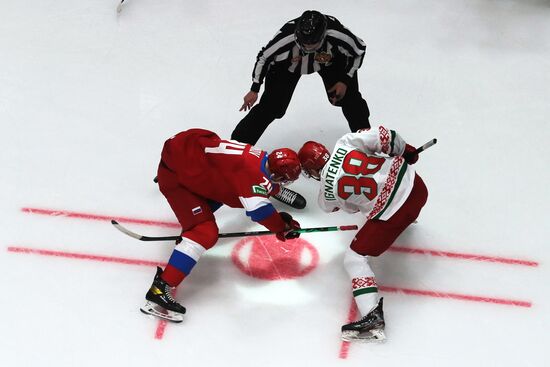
<point>229,235</point>
<point>425,146</point>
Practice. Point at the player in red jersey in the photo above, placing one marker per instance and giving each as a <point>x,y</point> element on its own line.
<point>198,173</point>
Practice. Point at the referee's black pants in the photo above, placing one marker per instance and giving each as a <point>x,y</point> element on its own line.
<point>279,87</point>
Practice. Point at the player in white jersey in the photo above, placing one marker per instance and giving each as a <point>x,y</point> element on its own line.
<point>369,172</point>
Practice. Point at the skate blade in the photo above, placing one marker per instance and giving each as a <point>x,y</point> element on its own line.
<point>372,336</point>
<point>151,308</point>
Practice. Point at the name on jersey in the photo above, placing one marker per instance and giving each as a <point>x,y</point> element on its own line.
<point>334,164</point>
<point>255,152</point>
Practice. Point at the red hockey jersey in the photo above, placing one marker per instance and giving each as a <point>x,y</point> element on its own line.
<point>225,171</point>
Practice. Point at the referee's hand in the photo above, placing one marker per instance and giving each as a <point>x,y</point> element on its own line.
<point>249,100</point>
<point>337,92</point>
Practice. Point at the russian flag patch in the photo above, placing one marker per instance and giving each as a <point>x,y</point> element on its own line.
<point>196,210</point>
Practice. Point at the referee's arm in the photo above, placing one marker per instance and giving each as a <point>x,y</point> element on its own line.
<point>282,42</point>
<point>353,45</point>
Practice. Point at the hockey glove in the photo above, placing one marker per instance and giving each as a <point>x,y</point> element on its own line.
<point>290,225</point>
<point>409,154</point>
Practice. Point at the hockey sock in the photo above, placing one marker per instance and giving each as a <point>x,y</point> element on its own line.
<point>184,257</point>
<point>365,290</point>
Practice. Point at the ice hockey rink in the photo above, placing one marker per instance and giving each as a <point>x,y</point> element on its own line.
<point>87,98</point>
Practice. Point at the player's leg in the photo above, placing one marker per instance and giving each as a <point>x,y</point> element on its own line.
<point>199,233</point>
<point>279,87</point>
<point>370,325</point>
<point>373,239</point>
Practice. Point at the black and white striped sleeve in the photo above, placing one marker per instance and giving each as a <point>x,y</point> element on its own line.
<point>348,44</point>
<point>277,49</point>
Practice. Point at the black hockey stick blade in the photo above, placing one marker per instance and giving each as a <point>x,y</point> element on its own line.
<point>126,231</point>
<point>425,146</point>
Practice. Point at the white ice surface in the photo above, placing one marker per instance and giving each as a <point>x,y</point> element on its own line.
<point>88,98</point>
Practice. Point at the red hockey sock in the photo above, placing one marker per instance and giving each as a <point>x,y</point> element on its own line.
<point>172,276</point>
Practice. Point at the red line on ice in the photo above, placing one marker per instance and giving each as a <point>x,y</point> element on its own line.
<point>344,348</point>
<point>88,216</point>
<point>455,255</point>
<point>413,292</point>
<point>457,296</point>
<point>73,255</point>
<point>411,251</point>
<point>352,316</point>
<point>161,327</point>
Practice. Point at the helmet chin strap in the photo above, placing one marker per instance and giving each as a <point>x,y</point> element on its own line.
<point>309,175</point>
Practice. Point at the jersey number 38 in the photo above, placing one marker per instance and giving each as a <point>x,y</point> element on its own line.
<point>359,169</point>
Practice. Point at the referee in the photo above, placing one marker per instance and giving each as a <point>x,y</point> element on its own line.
<point>314,42</point>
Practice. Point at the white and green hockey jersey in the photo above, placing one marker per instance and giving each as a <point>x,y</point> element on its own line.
<point>366,173</point>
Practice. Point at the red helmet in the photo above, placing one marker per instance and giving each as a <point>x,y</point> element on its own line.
<point>313,157</point>
<point>284,165</point>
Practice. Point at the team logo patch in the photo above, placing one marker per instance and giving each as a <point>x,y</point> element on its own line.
<point>323,57</point>
<point>262,189</point>
<point>196,210</point>
<point>257,189</point>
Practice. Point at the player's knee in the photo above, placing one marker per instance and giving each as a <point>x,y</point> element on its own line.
<point>205,234</point>
<point>367,249</point>
<point>352,258</point>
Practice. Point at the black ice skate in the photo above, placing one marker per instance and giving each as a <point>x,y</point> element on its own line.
<point>160,302</point>
<point>369,328</point>
<point>291,198</point>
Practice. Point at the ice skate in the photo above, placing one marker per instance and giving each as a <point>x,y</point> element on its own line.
<point>368,329</point>
<point>160,302</point>
<point>291,198</point>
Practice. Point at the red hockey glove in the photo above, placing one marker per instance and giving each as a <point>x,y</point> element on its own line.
<point>290,225</point>
<point>409,154</point>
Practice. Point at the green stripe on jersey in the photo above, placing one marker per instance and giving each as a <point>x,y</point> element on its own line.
<point>391,141</point>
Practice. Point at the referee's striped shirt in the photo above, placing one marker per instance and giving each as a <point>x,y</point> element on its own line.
<point>339,45</point>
